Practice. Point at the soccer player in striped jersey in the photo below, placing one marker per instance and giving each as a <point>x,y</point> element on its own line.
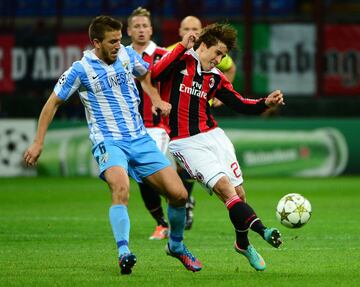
<point>227,66</point>
<point>103,78</point>
<point>189,79</point>
<point>140,31</point>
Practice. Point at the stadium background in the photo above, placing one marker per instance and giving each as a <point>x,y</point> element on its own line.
<point>54,230</point>
<point>305,48</point>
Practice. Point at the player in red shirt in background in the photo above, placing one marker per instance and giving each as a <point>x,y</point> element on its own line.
<point>140,31</point>
<point>188,80</point>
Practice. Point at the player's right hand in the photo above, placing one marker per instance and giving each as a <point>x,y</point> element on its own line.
<point>32,154</point>
<point>189,39</point>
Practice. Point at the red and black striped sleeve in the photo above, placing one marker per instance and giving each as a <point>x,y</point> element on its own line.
<point>164,67</point>
<point>237,102</point>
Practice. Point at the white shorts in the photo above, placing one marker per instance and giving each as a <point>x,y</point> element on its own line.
<point>207,157</point>
<point>160,136</point>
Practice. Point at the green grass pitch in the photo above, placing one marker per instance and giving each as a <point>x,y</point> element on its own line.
<point>55,232</point>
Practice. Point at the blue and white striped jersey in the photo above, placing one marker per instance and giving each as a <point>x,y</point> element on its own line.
<point>108,93</point>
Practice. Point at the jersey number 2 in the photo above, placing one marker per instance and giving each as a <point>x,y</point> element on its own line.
<point>236,169</point>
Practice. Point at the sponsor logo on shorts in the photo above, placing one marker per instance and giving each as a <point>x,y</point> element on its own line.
<point>103,158</point>
<point>199,176</point>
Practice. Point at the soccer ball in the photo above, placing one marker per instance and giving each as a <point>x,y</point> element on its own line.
<point>293,210</point>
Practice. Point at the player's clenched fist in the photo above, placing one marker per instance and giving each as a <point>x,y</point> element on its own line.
<point>275,99</point>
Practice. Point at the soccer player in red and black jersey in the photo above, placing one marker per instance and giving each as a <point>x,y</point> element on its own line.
<point>188,80</point>
<point>140,31</point>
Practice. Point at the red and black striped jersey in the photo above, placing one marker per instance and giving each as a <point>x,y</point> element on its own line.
<point>189,89</point>
<point>151,55</point>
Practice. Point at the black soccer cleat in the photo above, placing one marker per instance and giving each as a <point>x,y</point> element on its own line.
<point>126,262</point>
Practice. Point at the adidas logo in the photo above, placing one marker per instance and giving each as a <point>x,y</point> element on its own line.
<point>184,72</point>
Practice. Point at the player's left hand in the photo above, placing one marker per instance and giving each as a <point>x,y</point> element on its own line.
<point>275,99</point>
<point>216,103</point>
<point>163,107</point>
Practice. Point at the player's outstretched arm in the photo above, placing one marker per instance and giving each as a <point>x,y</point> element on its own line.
<point>152,91</point>
<point>32,154</point>
<point>275,99</point>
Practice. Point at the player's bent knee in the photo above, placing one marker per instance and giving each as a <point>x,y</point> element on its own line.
<point>178,197</point>
<point>119,194</point>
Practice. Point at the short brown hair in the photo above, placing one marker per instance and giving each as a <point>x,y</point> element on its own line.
<point>101,24</point>
<point>216,32</point>
<point>139,11</point>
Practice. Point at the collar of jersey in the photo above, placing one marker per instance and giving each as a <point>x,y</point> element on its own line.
<point>150,49</point>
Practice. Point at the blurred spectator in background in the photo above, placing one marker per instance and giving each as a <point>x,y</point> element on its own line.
<point>192,23</point>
